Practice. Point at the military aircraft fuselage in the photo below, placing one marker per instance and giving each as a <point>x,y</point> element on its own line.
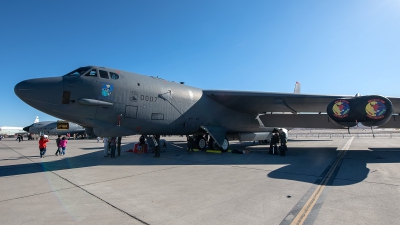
<point>116,103</point>
<point>50,128</point>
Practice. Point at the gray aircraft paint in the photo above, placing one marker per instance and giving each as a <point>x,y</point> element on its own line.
<point>137,104</point>
<point>50,128</point>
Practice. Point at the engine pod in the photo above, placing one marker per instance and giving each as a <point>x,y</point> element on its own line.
<point>372,110</point>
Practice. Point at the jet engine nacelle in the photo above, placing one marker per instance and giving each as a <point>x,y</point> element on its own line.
<point>372,110</point>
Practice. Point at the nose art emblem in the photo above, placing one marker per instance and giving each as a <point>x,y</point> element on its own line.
<point>107,89</point>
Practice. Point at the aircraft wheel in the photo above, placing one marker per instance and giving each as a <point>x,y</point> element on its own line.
<point>225,145</point>
<point>215,146</point>
<point>224,148</point>
<point>201,142</point>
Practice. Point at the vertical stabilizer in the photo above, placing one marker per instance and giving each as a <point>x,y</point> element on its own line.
<point>36,120</point>
<point>297,88</point>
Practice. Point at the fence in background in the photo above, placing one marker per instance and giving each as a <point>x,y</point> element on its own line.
<point>344,135</point>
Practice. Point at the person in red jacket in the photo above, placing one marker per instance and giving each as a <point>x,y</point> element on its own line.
<point>42,145</point>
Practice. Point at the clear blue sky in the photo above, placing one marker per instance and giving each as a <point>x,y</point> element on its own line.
<point>331,47</point>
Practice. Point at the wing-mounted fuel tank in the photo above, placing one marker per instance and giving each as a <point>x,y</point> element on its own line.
<point>372,110</point>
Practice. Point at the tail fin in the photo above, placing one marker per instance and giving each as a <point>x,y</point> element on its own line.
<point>297,88</point>
<point>36,120</point>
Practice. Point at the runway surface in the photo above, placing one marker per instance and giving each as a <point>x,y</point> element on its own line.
<point>321,180</point>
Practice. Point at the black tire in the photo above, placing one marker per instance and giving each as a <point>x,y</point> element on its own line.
<point>225,145</point>
<point>201,143</point>
<point>215,146</point>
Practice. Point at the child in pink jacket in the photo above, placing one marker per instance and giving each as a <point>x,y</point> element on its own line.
<point>63,145</point>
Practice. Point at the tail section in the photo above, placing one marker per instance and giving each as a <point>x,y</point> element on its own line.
<point>36,120</point>
<point>297,88</point>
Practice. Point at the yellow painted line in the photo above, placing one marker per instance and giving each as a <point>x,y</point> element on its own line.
<point>305,211</point>
<point>213,151</point>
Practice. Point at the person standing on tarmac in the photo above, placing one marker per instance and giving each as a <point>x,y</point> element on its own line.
<point>142,143</point>
<point>58,145</point>
<point>190,143</point>
<point>273,146</point>
<point>283,139</point>
<point>63,145</point>
<point>105,141</point>
<point>113,145</point>
<point>157,147</point>
<point>42,145</point>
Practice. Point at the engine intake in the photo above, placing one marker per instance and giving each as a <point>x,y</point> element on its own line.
<point>372,110</point>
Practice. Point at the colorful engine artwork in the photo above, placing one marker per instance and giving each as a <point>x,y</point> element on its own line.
<point>375,108</point>
<point>341,108</point>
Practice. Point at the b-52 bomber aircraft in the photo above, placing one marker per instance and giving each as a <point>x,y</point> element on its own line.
<point>54,128</point>
<point>111,102</point>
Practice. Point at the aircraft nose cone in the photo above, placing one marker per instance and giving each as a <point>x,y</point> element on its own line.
<point>40,92</point>
<point>26,128</point>
<point>21,88</point>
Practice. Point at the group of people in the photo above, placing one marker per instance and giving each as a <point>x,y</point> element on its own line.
<point>157,147</point>
<point>110,144</point>
<point>61,145</point>
<point>278,137</point>
<point>60,142</point>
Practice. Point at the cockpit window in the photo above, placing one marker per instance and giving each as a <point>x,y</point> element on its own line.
<point>114,76</point>
<point>103,74</point>
<point>79,72</point>
<point>92,73</point>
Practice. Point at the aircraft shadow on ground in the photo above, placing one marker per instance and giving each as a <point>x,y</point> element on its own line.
<point>303,164</point>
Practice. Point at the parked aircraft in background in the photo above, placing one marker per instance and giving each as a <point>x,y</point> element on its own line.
<point>11,130</point>
<point>110,102</point>
<point>54,128</point>
<point>15,130</point>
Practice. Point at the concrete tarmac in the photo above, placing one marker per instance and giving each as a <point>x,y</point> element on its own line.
<point>339,180</point>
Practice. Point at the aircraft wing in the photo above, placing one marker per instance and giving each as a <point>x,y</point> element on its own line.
<point>260,102</point>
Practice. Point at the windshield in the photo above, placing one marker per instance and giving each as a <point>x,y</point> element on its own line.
<point>79,72</point>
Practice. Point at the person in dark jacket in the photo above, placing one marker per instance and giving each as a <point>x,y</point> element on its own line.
<point>273,145</point>
<point>190,141</point>
<point>58,145</point>
<point>157,147</point>
<point>142,143</point>
<point>113,145</point>
<point>283,139</point>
